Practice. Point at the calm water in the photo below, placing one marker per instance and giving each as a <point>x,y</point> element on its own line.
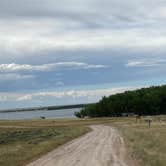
<point>65,113</point>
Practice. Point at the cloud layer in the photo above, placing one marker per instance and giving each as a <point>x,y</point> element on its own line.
<point>27,27</point>
<point>48,44</point>
<point>47,67</point>
<point>70,95</point>
<point>146,62</point>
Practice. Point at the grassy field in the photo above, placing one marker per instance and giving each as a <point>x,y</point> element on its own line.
<point>146,145</point>
<point>20,145</point>
<point>53,123</point>
<point>24,141</point>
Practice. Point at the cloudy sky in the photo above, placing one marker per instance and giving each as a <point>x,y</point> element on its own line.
<point>66,52</point>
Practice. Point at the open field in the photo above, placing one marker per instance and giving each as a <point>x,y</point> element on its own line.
<point>24,141</point>
<point>19,145</point>
<point>54,123</point>
<point>146,145</point>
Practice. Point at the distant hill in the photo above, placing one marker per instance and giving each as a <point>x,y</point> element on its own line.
<point>145,101</point>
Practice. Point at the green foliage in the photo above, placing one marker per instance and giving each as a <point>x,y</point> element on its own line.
<point>78,114</point>
<point>145,101</point>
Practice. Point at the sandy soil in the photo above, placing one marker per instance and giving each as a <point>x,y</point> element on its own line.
<point>102,147</point>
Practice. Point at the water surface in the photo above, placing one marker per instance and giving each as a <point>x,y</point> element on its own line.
<point>64,113</point>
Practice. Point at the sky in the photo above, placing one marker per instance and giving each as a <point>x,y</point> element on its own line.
<point>69,52</point>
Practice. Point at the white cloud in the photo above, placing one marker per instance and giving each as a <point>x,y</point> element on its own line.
<point>14,76</point>
<point>24,98</point>
<point>81,93</point>
<point>47,67</point>
<point>135,38</point>
<point>83,40</point>
<point>63,95</point>
<point>14,67</point>
<point>145,62</point>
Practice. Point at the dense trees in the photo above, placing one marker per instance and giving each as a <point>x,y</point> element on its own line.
<point>145,101</point>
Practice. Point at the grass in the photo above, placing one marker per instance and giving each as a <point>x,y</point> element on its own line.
<point>21,145</point>
<point>53,123</point>
<point>146,145</point>
<point>24,141</point>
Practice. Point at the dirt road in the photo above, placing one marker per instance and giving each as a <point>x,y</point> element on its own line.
<point>101,147</point>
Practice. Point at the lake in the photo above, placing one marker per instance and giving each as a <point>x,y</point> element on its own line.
<point>63,113</point>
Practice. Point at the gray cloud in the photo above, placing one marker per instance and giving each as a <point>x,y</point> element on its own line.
<point>93,11</point>
<point>35,34</point>
<point>28,26</point>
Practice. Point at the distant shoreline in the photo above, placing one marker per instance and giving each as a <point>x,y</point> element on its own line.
<point>45,108</point>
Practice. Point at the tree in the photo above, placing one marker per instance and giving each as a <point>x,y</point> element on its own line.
<point>145,101</point>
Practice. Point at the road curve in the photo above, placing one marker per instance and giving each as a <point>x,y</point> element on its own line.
<point>102,147</point>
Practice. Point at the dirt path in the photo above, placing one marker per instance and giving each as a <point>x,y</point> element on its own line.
<point>101,147</point>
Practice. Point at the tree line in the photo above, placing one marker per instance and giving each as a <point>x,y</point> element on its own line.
<point>145,101</point>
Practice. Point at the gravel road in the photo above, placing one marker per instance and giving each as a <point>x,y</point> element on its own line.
<point>102,147</point>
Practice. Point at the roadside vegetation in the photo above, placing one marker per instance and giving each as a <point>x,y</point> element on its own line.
<point>146,101</point>
<point>146,145</point>
<point>21,145</point>
<point>25,141</point>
